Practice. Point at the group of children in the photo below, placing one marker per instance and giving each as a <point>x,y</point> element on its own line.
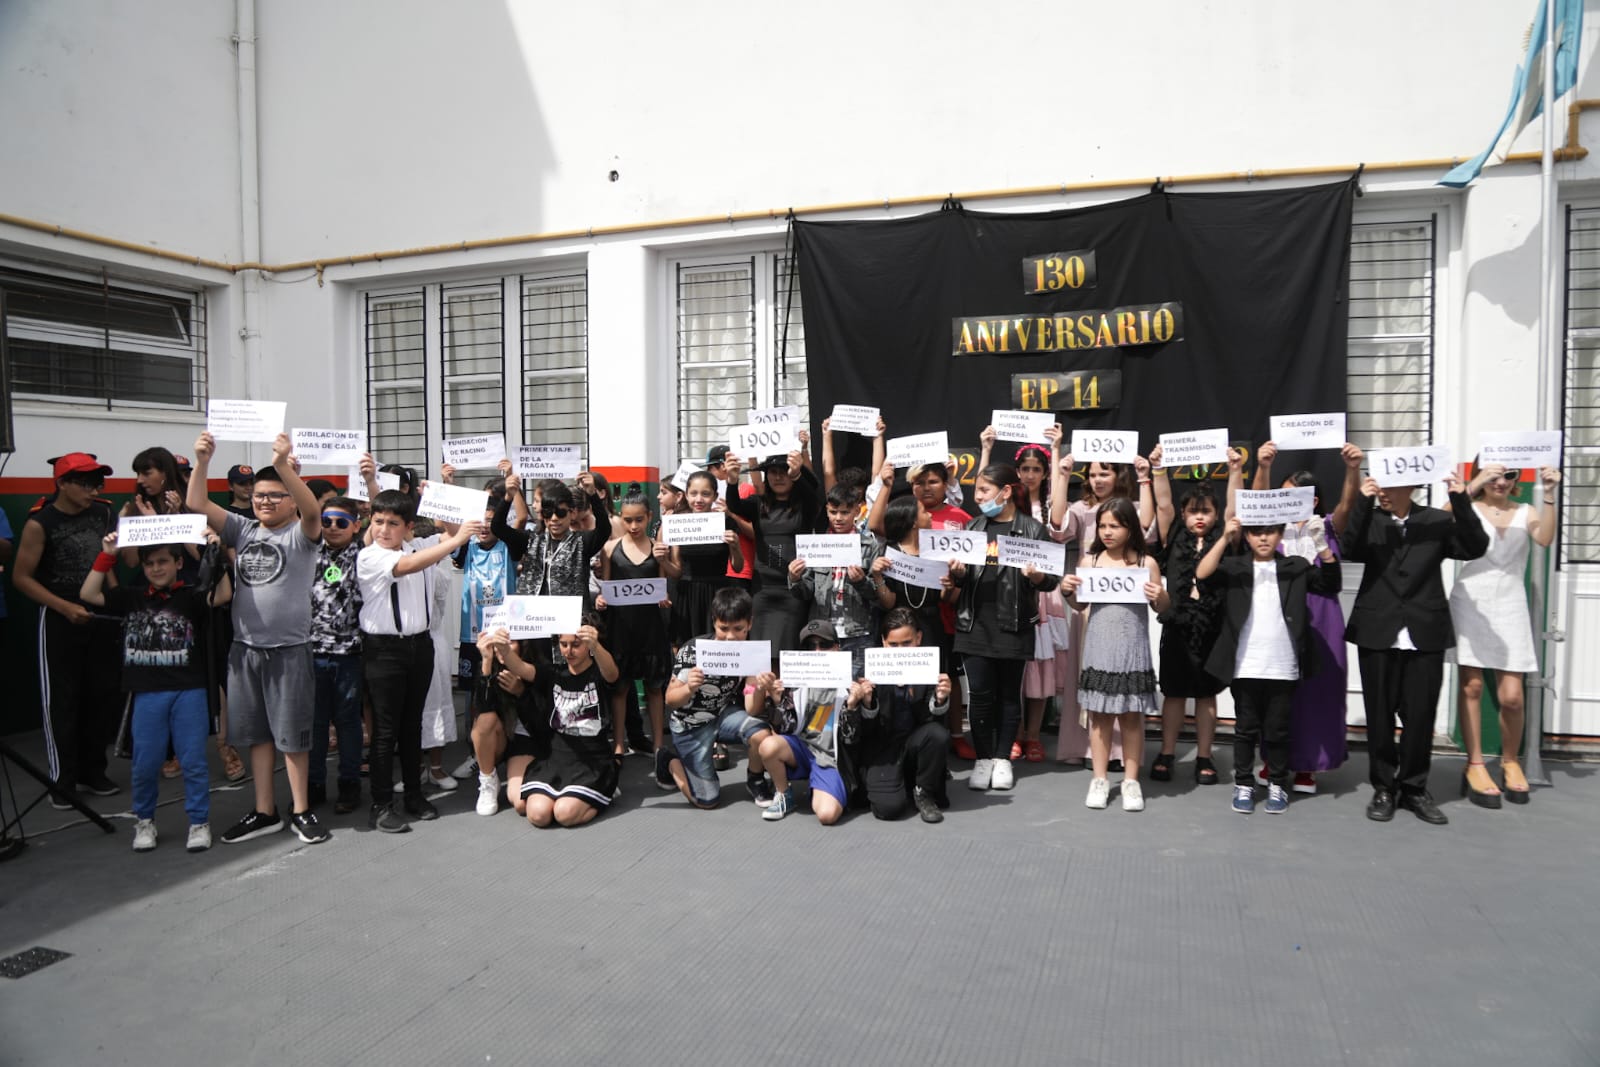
<point>337,605</point>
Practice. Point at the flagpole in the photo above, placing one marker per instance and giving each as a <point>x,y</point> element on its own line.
<point>1533,730</point>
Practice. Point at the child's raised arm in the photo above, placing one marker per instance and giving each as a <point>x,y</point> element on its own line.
<point>289,470</point>
<point>829,469</point>
<point>1350,494</point>
<point>1235,478</point>
<point>195,498</point>
<point>1213,558</point>
<point>1161,489</point>
<point>1264,457</point>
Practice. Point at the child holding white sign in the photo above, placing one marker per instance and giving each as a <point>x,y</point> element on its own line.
<point>639,631</point>
<point>1262,649</point>
<point>846,597</point>
<point>995,619</point>
<point>703,569</point>
<point>1117,684</point>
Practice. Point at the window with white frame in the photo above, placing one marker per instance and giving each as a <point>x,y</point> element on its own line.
<point>103,339</point>
<point>1580,392</point>
<point>740,345</point>
<point>555,360</point>
<point>1389,369</point>
<point>397,410</point>
<point>481,356</point>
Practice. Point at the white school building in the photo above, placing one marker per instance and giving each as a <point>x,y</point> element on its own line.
<point>566,222</point>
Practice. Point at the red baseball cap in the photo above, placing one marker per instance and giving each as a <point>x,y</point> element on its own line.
<point>79,463</point>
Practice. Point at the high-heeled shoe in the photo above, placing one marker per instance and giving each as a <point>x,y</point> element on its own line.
<point>1481,799</point>
<point>1516,796</point>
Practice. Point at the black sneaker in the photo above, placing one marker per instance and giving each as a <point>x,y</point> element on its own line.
<point>316,794</point>
<point>383,817</point>
<point>926,807</point>
<point>663,774</point>
<point>418,808</point>
<point>308,828</point>
<point>100,786</point>
<point>253,825</point>
<point>761,790</point>
<point>349,798</point>
<point>57,802</point>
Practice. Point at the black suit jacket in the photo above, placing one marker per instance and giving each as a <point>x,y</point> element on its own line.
<point>1296,577</point>
<point>1403,585</point>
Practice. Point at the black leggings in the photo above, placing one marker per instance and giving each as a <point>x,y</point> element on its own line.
<point>996,705</point>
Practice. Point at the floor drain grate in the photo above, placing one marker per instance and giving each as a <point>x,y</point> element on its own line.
<point>30,960</point>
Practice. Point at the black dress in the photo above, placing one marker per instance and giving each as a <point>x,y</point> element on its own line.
<point>1189,627</point>
<point>779,614</point>
<point>705,570</point>
<point>637,633</point>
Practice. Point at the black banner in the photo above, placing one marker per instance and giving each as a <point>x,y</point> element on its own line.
<point>1255,281</point>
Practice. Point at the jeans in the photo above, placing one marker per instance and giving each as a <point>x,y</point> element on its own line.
<point>338,703</point>
<point>398,671</point>
<point>995,708</point>
<point>693,747</point>
<point>178,717</point>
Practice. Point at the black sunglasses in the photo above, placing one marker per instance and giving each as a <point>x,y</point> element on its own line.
<point>1508,476</point>
<point>339,521</point>
<point>553,511</point>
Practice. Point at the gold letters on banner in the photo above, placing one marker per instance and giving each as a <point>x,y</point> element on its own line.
<point>1141,324</point>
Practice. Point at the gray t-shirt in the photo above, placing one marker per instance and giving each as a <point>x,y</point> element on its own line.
<point>272,601</point>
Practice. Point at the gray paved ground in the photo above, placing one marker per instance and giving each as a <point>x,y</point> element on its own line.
<point>1025,929</point>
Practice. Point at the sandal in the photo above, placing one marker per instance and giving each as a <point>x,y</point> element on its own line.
<point>1204,772</point>
<point>232,765</point>
<point>1161,769</point>
<point>1483,798</point>
<point>1033,751</point>
<point>1516,789</point>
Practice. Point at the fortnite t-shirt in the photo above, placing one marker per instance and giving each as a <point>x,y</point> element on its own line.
<point>272,601</point>
<point>163,637</point>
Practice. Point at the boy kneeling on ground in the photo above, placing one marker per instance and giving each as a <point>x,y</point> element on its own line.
<point>904,741</point>
<point>818,728</point>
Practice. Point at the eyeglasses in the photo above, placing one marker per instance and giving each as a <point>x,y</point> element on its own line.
<point>551,511</point>
<point>342,522</point>
<point>269,498</point>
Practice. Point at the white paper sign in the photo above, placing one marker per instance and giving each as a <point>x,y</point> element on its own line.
<point>634,591</point>
<point>452,503</point>
<point>1193,448</point>
<point>788,415</point>
<point>965,546</point>
<point>543,616</point>
<point>480,450</point>
<point>914,570</point>
<point>535,462</point>
<point>1025,426</point>
<point>1105,446</point>
<point>1291,432</point>
<point>819,670</point>
<point>1111,585</point>
<point>758,442</point>
<point>726,659</point>
<point>338,448</point>
<point>495,617</point>
<point>245,420</point>
<point>828,550</point>
<point>918,449</point>
<point>1421,465</point>
<point>387,480</point>
<point>680,477</point>
<point>903,666</point>
<point>1047,556</point>
<point>694,528</point>
<point>1520,448</point>
<point>1270,507</point>
<point>134,531</point>
<point>357,489</point>
<point>853,418</point>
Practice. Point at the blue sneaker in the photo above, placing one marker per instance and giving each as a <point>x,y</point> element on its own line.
<point>1277,800</point>
<point>1244,799</point>
<point>781,803</point>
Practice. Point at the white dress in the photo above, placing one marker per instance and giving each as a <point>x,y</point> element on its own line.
<point>1489,604</point>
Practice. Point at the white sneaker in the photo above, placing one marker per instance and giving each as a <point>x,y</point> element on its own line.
<point>466,768</point>
<point>488,793</point>
<point>1099,794</point>
<point>199,837</point>
<point>982,775</point>
<point>1132,796</point>
<point>1002,777</point>
<point>439,780</point>
<point>144,835</point>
